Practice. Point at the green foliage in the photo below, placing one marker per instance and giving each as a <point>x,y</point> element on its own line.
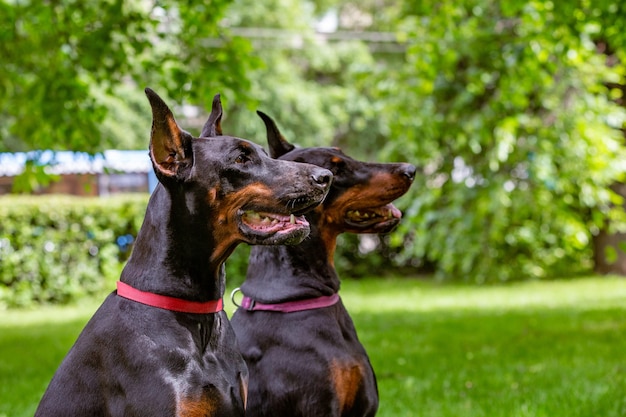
<point>509,108</point>
<point>58,60</point>
<point>236,266</point>
<point>314,88</point>
<point>199,55</point>
<point>128,121</point>
<point>57,249</point>
<point>359,256</point>
<point>52,54</point>
<point>34,176</point>
<point>506,109</point>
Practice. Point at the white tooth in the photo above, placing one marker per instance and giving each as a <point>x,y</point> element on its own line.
<point>365,215</point>
<point>266,220</point>
<point>357,213</point>
<point>292,219</point>
<point>274,221</point>
<point>253,215</point>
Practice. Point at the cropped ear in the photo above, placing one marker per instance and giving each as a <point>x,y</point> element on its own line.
<point>170,147</point>
<point>213,126</point>
<point>277,143</point>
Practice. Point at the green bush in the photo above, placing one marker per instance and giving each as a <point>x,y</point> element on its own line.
<point>54,249</point>
<point>511,110</point>
<point>57,249</point>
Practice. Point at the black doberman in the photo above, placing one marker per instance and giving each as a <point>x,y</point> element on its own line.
<point>300,344</point>
<point>162,345</point>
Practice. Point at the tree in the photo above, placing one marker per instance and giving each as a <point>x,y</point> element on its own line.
<point>61,59</point>
<point>311,83</point>
<point>510,108</point>
<point>506,108</point>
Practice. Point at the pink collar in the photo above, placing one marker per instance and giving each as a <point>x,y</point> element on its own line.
<point>249,304</point>
<point>168,303</point>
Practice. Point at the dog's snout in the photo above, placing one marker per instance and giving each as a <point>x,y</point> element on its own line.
<point>409,171</point>
<point>322,177</point>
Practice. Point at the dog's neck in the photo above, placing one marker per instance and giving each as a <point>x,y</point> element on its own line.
<point>283,273</point>
<point>173,254</point>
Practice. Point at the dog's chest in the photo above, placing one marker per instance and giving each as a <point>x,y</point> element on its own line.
<point>205,382</point>
<point>196,361</point>
<point>201,333</point>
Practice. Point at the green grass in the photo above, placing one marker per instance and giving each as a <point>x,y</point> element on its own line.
<point>531,349</point>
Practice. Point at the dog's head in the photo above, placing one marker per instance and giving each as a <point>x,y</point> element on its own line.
<point>361,195</point>
<point>230,186</point>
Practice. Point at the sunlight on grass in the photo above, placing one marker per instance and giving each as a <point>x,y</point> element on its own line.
<point>51,314</point>
<point>388,295</point>
<point>523,350</point>
<point>529,349</point>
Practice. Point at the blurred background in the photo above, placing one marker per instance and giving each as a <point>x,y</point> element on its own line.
<point>513,111</point>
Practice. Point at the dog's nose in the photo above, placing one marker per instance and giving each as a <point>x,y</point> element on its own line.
<point>322,177</point>
<point>409,171</point>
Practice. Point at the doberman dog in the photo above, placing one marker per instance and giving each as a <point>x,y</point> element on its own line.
<point>300,344</point>
<point>161,345</point>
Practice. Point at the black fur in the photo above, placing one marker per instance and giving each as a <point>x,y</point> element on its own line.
<point>311,363</point>
<point>135,360</point>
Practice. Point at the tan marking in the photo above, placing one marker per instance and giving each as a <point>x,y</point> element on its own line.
<point>335,160</point>
<point>347,379</point>
<point>204,406</point>
<point>211,196</point>
<point>218,126</point>
<point>327,234</point>
<point>243,387</point>
<point>382,188</point>
<point>371,194</point>
<point>166,146</point>
<point>225,228</point>
<point>176,134</point>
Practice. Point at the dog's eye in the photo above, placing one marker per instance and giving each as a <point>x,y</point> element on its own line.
<point>242,158</point>
<point>337,163</point>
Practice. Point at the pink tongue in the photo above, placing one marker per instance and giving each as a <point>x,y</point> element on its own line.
<point>394,211</point>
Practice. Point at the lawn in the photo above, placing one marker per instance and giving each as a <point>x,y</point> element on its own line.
<point>532,349</point>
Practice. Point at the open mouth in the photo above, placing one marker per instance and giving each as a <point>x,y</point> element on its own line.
<point>264,227</point>
<point>374,219</point>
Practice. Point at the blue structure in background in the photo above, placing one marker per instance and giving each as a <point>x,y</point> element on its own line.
<point>109,166</point>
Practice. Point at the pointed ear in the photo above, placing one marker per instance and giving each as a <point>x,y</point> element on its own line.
<point>277,143</point>
<point>213,126</point>
<point>170,147</point>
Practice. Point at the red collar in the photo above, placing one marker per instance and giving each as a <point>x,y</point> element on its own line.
<point>168,303</point>
<point>249,304</point>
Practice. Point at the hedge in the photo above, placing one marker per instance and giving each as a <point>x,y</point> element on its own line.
<point>57,249</point>
<point>54,249</point>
